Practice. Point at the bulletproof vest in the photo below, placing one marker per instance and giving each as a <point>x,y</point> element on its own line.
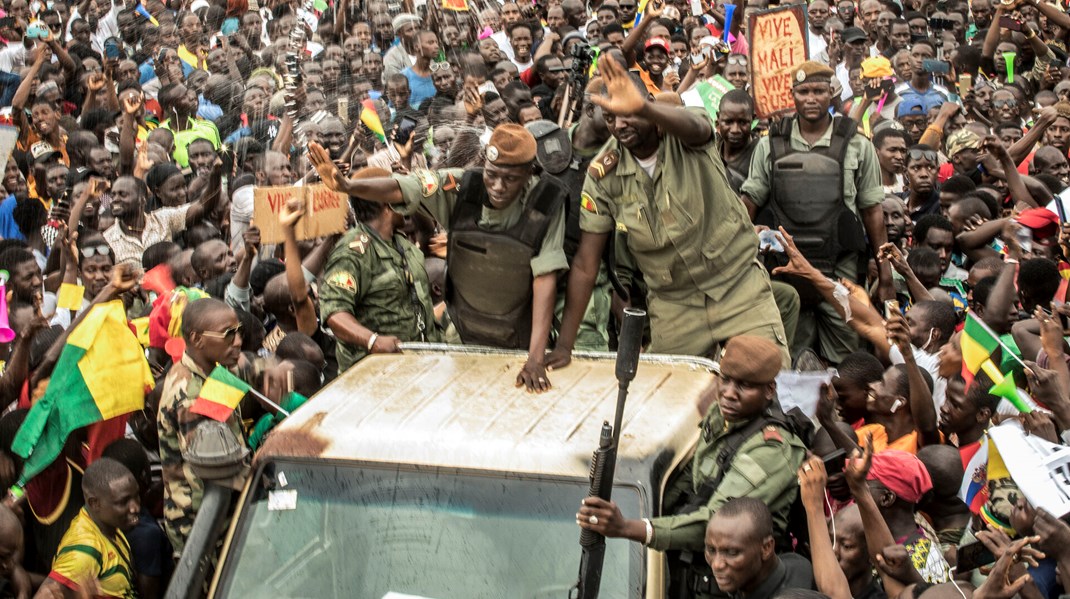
<point>807,196</point>
<point>488,279</point>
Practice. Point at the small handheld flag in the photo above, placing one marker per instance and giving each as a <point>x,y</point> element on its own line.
<point>370,117</point>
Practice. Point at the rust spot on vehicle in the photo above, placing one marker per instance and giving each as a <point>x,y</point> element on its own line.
<point>302,441</point>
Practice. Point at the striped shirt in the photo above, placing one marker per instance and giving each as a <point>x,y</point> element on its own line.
<point>85,554</point>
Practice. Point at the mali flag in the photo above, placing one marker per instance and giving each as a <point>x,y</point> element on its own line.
<point>979,342</point>
<point>101,373</point>
<point>370,117</point>
<point>220,394</point>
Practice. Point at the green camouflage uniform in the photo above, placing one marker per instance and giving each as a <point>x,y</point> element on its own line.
<point>365,276</point>
<point>765,467</point>
<point>183,490</point>
<point>690,236</point>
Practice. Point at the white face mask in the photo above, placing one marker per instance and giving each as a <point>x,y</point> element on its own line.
<point>677,61</point>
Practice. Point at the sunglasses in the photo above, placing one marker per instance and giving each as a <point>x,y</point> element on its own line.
<point>440,66</point>
<point>740,60</point>
<point>96,250</point>
<point>227,335</point>
<point>1004,103</point>
<point>915,155</point>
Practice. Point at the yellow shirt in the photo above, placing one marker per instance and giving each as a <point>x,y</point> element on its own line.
<point>85,554</point>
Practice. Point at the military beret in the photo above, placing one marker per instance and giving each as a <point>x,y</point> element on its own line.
<point>813,72</point>
<point>510,145</point>
<point>750,359</point>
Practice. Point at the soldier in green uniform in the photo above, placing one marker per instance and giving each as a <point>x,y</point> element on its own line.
<point>663,181</point>
<point>506,228</point>
<point>747,416</point>
<point>375,292</point>
<point>821,181</point>
<point>213,336</point>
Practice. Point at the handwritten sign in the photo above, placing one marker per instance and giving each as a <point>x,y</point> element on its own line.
<point>325,211</point>
<point>778,46</point>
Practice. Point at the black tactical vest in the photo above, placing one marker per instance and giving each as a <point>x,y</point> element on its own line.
<point>488,276</point>
<point>806,197</point>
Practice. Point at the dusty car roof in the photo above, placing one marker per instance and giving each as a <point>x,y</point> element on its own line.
<point>459,407</point>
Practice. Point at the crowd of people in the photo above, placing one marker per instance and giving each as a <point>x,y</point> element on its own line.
<point>517,175</point>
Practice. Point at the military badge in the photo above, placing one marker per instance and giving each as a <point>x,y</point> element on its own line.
<point>343,280</point>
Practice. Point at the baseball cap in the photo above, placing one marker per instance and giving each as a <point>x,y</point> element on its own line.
<point>657,42</point>
<point>853,34</point>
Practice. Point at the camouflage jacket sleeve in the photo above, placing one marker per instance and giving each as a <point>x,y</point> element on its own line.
<point>764,468</point>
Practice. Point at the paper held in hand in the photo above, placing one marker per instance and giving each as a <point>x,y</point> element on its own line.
<point>325,211</point>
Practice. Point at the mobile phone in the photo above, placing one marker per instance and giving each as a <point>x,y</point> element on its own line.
<point>873,92</point>
<point>703,55</point>
<point>696,7</point>
<point>939,67</point>
<point>343,109</point>
<point>767,240</point>
<point>890,307</point>
<point>111,48</point>
<point>37,30</point>
<point>973,556</point>
<point>1006,22</point>
<point>405,129</point>
<point>835,461</point>
<point>965,85</point>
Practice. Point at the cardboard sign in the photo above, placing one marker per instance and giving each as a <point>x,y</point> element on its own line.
<point>325,211</point>
<point>9,136</point>
<point>778,46</point>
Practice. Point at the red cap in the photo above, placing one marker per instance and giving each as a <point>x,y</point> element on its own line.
<point>1042,221</point>
<point>658,42</point>
<point>902,473</point>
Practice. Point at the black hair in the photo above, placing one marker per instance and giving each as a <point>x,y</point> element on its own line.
<point>972,203</point>
<point>737,97</point>
<point>958,184</point>
<point>298,346</point>
<point>940,316</point>
<point>100,475</point>
<point>612,28</point>
<point>881,136</point>
<point>860,368</point>
<point>264,271</point>
<point>1002,125</point>
<point>158,253</point>
<point>131,454</point>
<point>196,312</point>
<point>91,119</point>
<point>515,26</point>
<point>29,215</point>
<point>930,221</point>
<point>983,289</point>
<point>253,332</point>
<point>14,256</point>
<point>755,510</point>
<point>1039,279</point>
<point>978,395</point>
<point>1054,184</point>
<point>43,341</point>
<point>306,377</point>
<point>922,258</point>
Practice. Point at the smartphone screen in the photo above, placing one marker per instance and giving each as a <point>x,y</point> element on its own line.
<point>973,556</point>
<point>1009,23</point>
<point>405,129</point>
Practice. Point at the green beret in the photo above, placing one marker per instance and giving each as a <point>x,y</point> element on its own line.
<point>750,359</point>
<point>813,72</point>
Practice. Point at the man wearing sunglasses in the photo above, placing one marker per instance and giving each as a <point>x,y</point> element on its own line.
<point>819,180</point>
<point>212,335</point>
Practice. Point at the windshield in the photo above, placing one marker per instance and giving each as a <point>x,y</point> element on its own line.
<point>331,530</point>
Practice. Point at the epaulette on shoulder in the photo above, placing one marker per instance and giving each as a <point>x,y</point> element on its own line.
<point>604,164</point>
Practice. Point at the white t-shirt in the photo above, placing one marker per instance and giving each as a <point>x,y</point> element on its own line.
<point>930,363</point>
<point>648,164</point>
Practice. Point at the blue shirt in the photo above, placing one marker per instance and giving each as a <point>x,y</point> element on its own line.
<point>8,228</point>
<point>420,88</point>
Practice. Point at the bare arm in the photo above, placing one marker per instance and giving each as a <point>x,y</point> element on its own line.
<point>922,409</point>
<point>209,198</point>
<point>828,576</point>
<point>379,189</point>
<point>1021,148</point>
<point>581,279</point>
<point>304,309</point>
<point>1004,293</point>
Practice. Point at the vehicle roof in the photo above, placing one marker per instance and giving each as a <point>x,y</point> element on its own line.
<point>459,407</point>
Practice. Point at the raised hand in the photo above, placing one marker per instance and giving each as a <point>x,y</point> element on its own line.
<point>622,97</point>
<point>328,170</point>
